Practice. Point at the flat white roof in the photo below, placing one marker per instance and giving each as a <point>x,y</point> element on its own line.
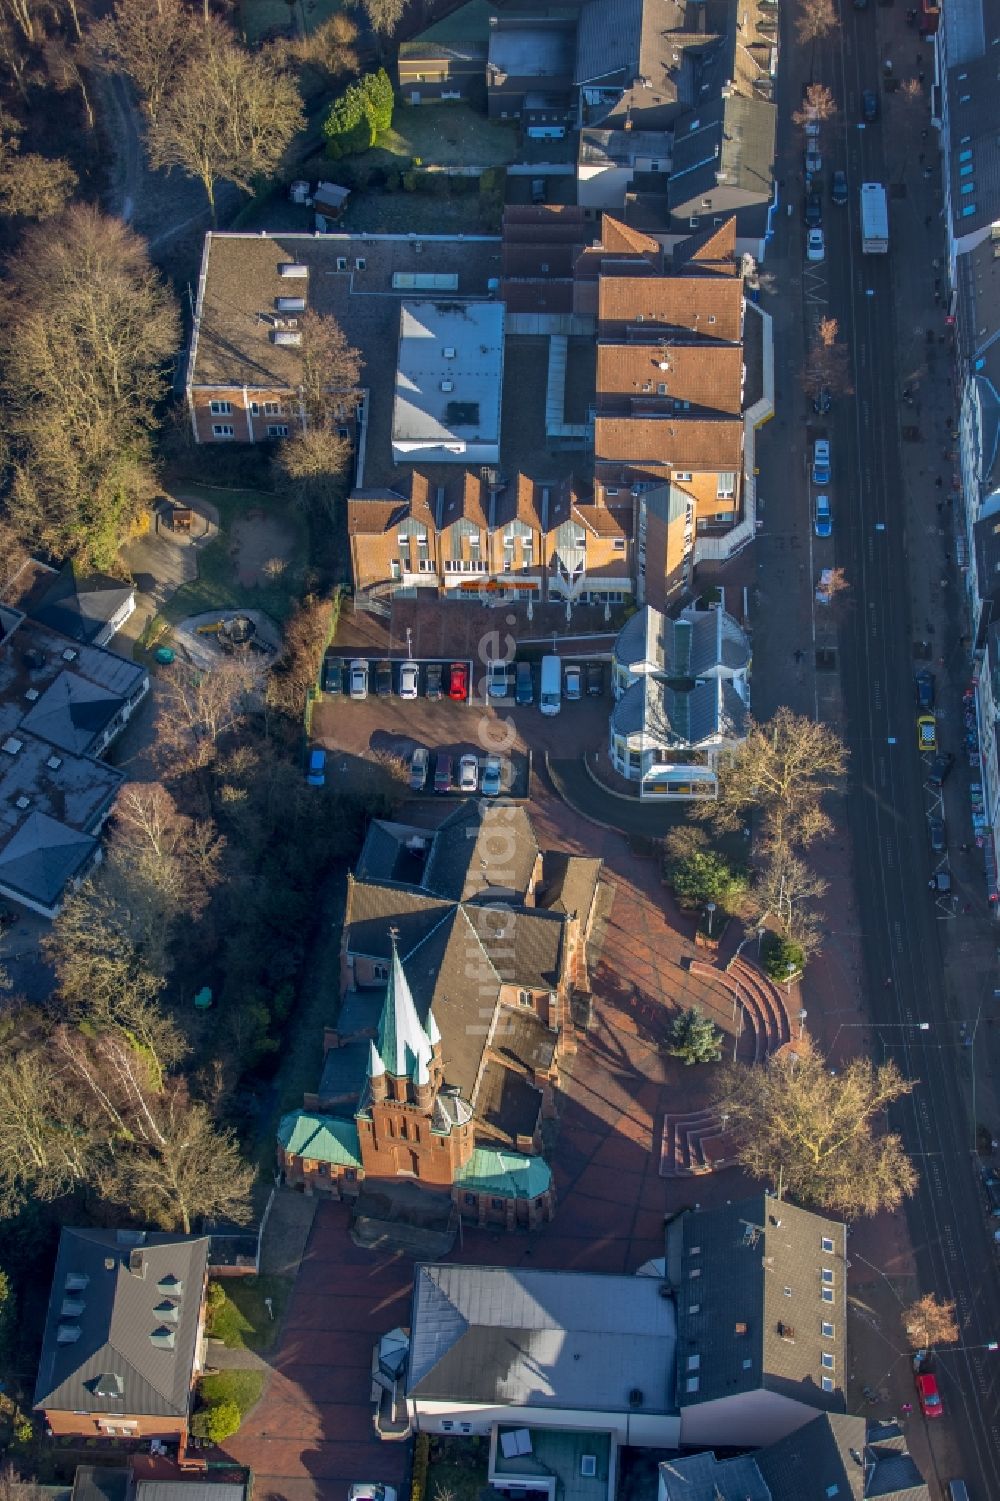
<point>449,372</point>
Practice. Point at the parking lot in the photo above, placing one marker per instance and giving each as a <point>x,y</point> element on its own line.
<point>482,724</point>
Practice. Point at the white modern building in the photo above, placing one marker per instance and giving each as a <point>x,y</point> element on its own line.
<point>449,383</point>
<point>682,697</point>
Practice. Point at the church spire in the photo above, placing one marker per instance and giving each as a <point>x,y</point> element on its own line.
<point>402,1041</point>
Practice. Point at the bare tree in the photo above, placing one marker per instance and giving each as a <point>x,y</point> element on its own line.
<point>827,365</point>
<point>309,468</point>
<point>817,1133</point>
<point>786,890</point>
<point>189,1169</point>
<point>44,1143</point>
<point>929,1323</point>
<point>65,63</point>
<point>783,769</point>
<point>297,668</point>
<point>384,15</point>
<point>31,186</point>
<point>85,328</point>
<point>814,21</point>
<point>330,367</point>
<point>229,118</point>
<point>150,44</point>
<point>818,105</point>
<point>199,708</point>
<point>332,47</point>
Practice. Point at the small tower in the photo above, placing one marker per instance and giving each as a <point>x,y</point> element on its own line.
<point>376,1074</point>
<point>423,1089</point>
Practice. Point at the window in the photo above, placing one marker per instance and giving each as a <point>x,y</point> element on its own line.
<point>693,222</point>
<point>465,1427</point>
<point>726,485</point>
<point>827,1383</point>
<point>828,1275</point>
<point>446,1423</point>
<point>826,1360</point>
<point>350,1175</point>
<point>255,408</point>
<point>618,545</point>
<point>323,1169</point>
<point>277,429</point>
<point>723,515</point>
<point>524,998</point>
<point>682,476</point>
<point>694,1250</point>
<point>968,187</point>
<point>471,1200</point>
<point>694,1362</point>
<point>694,1308</point>
<point>341,262</point>
<point>360,263</point>
<point>826,1243</point>
<point>826,1330</point>
<point>695,1270</point>
<point>380,972</point>
<point>661,388</point>
<point>223,430</point>
<point>968,210</point>
<point>692,1383</point>
<point>827,1294</point>
<point>497,1203</point>
<point>220,408</point>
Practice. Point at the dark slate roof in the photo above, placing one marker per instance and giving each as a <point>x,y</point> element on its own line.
<point>608,39</point>
<point>986,537</point>
<point>891,1471</point>
<point>697,642</point>
<point>702,1477</point>
<point>189,1490</point>
<point>100,1483</point>
<point>524,944</point>
<point>137,1333</point>
<point>359,1013</point>
<point>971,88</point>
<point>743,130</point>
<point>42,856</point>
<point>569,883</point>
<point>482,847</point>
<point>519,1337</point>
<point>520,1036</point>
<point>345,1070</point>
<point>81,605</point>
<point>72,712</point>
<point>379,853</point>
<point>676,716</point>
<point>506,1103</point>
<point>735,1315</point>
<point>836,1450</point>
<point>450,973</point>
<point>374,907</point>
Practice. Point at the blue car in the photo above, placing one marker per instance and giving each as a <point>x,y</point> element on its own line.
<point>317,767</point>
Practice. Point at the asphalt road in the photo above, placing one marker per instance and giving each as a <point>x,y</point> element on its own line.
<point>889,801</point>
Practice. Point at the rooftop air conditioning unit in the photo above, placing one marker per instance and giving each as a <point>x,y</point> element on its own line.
<point>23,803</point>
<point>67,1334</point>
<point>11,745</point>
<point>292,269</point>
<point>31,694</point>
<point>54,763</point>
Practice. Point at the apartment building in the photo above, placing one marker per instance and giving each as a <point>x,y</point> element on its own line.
<point>966,101</point>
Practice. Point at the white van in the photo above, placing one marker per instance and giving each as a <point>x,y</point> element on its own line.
<point>550,701</point>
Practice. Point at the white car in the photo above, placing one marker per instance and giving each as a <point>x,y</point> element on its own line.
<point>815,247</point>
<point>371,1490</point>
<point>497,680</point>
<point>468,773</point>
<point>409,680</point>
<point>573,684</point>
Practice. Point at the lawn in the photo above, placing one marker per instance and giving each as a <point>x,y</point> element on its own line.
<point>458,1468</point>
<point>441,135</point>
<point>261,17</point>
<point>242,1387</point>
<point>416,213</point>
<point>243,1322</point>
<point>219,585</point>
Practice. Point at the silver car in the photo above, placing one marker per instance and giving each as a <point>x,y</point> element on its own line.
<point>491,777</point>
<point>359,679</point>
<point>409,680</point>
<point>420,763</point>
<point>468,773</point>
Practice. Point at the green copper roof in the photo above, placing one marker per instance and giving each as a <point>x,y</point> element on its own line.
<point>325,1138</point>
<point>509,1175</point>
<point>402,1041</point>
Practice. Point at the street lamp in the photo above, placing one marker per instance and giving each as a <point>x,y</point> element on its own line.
<point>709,908</point>
<point>409,642</point>
<point>803,1013</point>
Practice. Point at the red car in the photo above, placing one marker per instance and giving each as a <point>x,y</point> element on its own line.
<point>458,681</point>
<point>928,1395</point>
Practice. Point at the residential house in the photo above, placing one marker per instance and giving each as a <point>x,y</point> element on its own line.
<point>541,245</point>
<point>462,950</point>
<point>447,60</point>
<point>85,607</point>
<point>62,703</point>
<point>696,1358</point>
<point>628,63</point>
<point>608,161</point>
<point>834,1455</point>
<point>682,696</point>
<point>722,163</point>
<point>124,1335</point>
<point>529,73</point>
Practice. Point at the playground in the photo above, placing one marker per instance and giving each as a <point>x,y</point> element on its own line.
<point>209,639</point>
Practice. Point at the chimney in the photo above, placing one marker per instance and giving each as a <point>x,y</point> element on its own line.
<point>136,1263</point>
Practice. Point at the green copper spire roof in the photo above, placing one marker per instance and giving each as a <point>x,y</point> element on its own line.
<point>402,1041</point>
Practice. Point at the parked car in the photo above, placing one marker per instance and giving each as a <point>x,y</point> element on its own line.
<point>409,680</point>
<point>814,162</point>
<point>927,733</point>
<point>371,1490</point>
<point>420,763</point>
<point>924,684</point>
<point>991,1187</point>
<point>359,679</point>
<point>468,773</point>
<point>821,461</point>
<point>940,882</point>
<point>316,776</point>
<point>539,190</point>
<point>928,1395</point>
<point>496,686</point>
<point>813,210</point>
<point>938,835</point>
<point>940,769</point>
<point>383,679</point>
<point>491,776</point>
<point>869,106</point>
<point>432,681</point>
<point>595,680</point>
<point>838,188</point>
<point>458,681</point>
<point>524,686</point>
<point>572,684</point>
<point>815,246</point>
<point>333,675</point>
<point>824,517</point>
<point>822,401</point>
<point>442,772</point>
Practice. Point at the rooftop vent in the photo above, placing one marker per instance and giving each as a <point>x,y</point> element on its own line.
<point>289,269</point>
<point>67,1334</point>
<point>168,1311</point>
<point>109,1263</point>
<point>447,385</point>
<point>76,1282</point>
<point>164,1338</point>
<point>741,1328</point>
<point>449,353</point>
<point>290,336</point>
<point>31,694</point>
<point>23,803</point>
<point>70,654</point>
<point>108,1384</point>
<point>11,745</point>
<point>71,1308</point>
<point>290,304</point>
<point>171,1286</point>
<point>54,763</point>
